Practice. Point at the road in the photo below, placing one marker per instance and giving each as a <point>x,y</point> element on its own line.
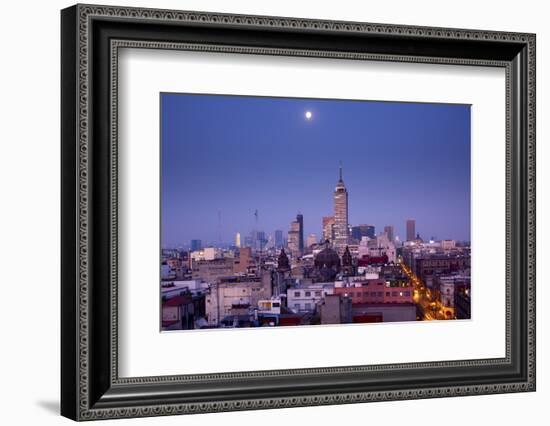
<point>429,304</point>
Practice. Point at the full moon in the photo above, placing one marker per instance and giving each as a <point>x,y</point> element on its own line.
<point>308,115</point>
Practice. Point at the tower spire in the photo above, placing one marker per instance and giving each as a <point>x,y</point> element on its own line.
<point>340,170</point>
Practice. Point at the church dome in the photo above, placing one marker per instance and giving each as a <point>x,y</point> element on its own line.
<point>328,258</point>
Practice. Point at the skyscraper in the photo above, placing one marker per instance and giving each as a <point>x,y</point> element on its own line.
<point>328,228</point>
<point>294,238</point>
<point>260,240</point>
<point>341,239</point>
<point>411,233</point>
<point>196,245</point>
<point>311,240</point>
<point>360,231</point>
<point>388,229</point>
<point>278,238</point>
<point>238,240</point>
<point>370,231</point>
<point>300,220</point>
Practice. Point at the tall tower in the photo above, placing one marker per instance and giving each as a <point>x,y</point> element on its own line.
<point>238,240</point>
<point>300,220</point>
<point>411,233</point>
<point>278,238</point>
<point>341,232</point>
<point>388,229</point>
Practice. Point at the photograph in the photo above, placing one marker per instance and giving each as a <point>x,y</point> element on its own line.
<point>277,207</point>
<point>279,211</point>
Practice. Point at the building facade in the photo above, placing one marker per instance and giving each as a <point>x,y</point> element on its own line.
<point>378,291</point>
<point>360,231</point>
<point>388,230</point>
<point>235,295</point>
<point>211,270</point>
<point>196,245</point>
<point>411,229</point>
<point>311,240</point>
<point>304,298</point>
<point>328,228</point>
<point>293,241</point>
<point>278,238</point>
<point>238,240</point>
<point>335,309</point>
<point>300,220</point>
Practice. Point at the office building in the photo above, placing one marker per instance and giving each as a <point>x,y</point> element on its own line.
<point>300,220</point>
<point>388,230</point>
<point>278,238</point>
<point>360,231</point>
<point>328,228</point>
<point>411,231</point>
<point>196,245</point>
<point>238,240</point>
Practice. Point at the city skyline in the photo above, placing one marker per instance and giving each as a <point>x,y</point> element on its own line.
<point>258,162</point>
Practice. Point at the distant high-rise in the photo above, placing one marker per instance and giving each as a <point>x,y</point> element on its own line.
<point>300,220</point>
<point>294,238</point>
<point>341,236</point>
<point>278,238</point>
<point>328,228</point>
<point>411,232</point>
<point>196,245</point>
<point>238,240</point>
<point>360,231</point>
<point>311,240</point>
<point>257,240</point>
<point>370,231</point>
<point>261,240</point>
<point>388,230</point>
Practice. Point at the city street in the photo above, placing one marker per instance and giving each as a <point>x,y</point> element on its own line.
<point>424,298</point>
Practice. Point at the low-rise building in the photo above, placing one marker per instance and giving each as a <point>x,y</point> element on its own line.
<point>244,263</point>
<point>305,297</point>
<point>335,309</point>
<point>178,313</point>
<point>236,295</point>
<point>428,268</point>
<point>183,303</point>
<point>211,270</point>
<point>449,286</point>
<point>463,303</point>
<point>377,291</point>
<point>379,248</point>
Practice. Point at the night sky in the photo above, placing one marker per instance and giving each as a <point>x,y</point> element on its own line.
<point>226,156</point>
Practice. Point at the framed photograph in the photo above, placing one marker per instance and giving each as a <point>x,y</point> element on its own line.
<point>263,212</point>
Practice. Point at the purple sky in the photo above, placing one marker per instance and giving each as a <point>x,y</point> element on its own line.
<point>226,156</point>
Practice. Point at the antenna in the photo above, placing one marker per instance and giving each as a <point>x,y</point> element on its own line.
<point>340,169</point>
